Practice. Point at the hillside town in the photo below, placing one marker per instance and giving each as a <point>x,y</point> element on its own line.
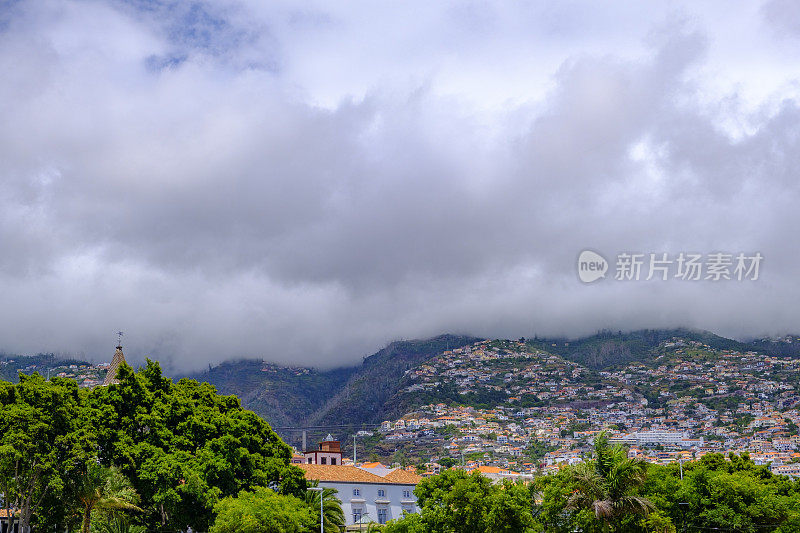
<point>689,401</point>
<point>86,374</point>
<point>512,410</point>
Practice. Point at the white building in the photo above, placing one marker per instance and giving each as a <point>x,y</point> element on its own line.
<point>658,437</point>
<point>366,496</point>
<point>792,469</point>
<point>665,437</point>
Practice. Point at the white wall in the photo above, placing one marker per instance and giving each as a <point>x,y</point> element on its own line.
<point>368,496</point>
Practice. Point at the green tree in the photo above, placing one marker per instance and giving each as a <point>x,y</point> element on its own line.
<point>118,524</point>
<point>734,494</point>
<point>411,523</point>
<point>184,447</point>
<point>455,501</point>
<point>656,522</point>
<point>400,457</point>
<point>536,450</point>
<point>106,489</point>
<point>608,485</point>
<point>43,439</point>
<point>447,462</point>
<point>331,507</point>
<point>263,511</point>
<point>602,494</point>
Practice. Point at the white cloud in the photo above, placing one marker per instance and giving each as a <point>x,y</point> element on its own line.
<point>244,179</point>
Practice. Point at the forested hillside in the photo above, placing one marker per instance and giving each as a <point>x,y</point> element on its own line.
<point>607,349</point>
<point>371,392</point>
<point>285,396</point>
<point>297,396</point>
<point>363,398</point>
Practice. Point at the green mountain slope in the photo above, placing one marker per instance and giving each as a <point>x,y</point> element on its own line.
<point>287,396</point>
<point>788,346</point>
<point>380,388</point>
<point>363,399</point>
<point>371,392</point>
<point>284,396</point>
<point>607,349</point>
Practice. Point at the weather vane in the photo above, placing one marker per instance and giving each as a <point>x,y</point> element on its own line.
<point>119,338</point>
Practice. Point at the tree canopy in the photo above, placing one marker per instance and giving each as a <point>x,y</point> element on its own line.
<point>457,501</point>
<point>263,511</point>
<point>612,493</point>
<point>152,454</point>
<point>182,446</point>
<point>44,443</point>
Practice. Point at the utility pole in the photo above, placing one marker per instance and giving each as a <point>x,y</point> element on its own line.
<point>354,450</point>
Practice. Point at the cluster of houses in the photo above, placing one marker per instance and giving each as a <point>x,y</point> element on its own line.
<point>699,400</point>
<point>86,374</point>
<point>373,492</point>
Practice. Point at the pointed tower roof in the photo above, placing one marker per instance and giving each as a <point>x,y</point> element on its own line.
<point>113,368</point>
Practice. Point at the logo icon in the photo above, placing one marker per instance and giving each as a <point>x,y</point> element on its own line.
<point>591,266</point>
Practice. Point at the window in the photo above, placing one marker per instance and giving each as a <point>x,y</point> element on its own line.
<point>356,492</point>
<point>406,494</point>
<point>324,460</point>
<point>382,516</point>
<point>333,460</point>
<point>356,515</point>
<point>381,493</point>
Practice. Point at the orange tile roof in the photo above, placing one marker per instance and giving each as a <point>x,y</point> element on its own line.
<point>493,470</point>
<point>346,474</point>
<point>403,476</point>
<point>340,473</point>
<point>351,474</point>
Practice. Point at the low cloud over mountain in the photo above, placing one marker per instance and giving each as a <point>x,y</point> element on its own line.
<point>229,179</point>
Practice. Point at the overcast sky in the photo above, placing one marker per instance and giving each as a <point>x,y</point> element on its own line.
<point>305,183</point>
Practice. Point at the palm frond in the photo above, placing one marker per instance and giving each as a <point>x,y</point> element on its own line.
<point>634,505</point>
<point>603,509</point>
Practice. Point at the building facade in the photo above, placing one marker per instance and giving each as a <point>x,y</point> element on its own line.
<point>365,496</point>
<point>329,452</point>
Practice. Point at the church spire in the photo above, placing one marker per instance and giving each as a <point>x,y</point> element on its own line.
<point>116,362</point>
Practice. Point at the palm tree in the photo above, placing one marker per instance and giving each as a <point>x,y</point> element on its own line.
<point>106,489</point>
<point>119,524</point>
<point>607,485</point>
<point>331,507</point>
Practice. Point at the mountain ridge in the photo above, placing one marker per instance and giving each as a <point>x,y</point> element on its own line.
<point>370,393</point>
<point>366,394</point>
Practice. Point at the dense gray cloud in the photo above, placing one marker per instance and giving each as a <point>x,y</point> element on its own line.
<point>230,179</point>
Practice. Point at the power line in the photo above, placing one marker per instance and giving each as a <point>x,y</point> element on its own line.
<point>327,426</point>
